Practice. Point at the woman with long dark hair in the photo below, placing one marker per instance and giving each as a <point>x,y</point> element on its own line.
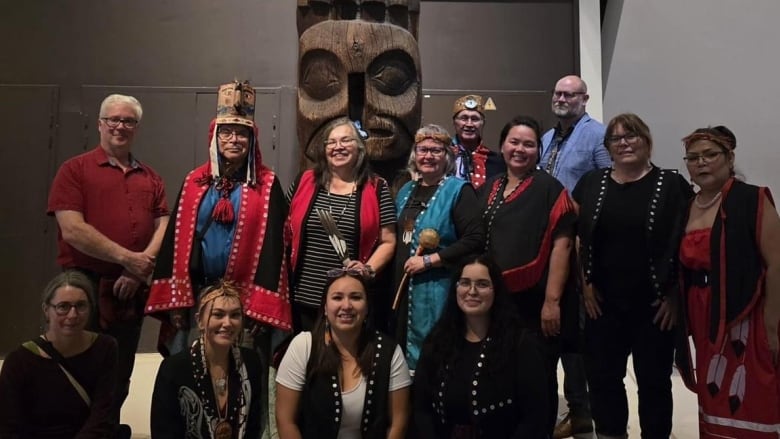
<point>344,379</point>
<point>480,374</point>
<point>529,221</point>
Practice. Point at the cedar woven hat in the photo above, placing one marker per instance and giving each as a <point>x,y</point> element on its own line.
<point>236,104</point>
<point>469,102</point>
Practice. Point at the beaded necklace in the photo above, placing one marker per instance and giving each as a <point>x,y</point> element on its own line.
<point>708,204</point>
<point>497,200</point>
<point>409,223</point>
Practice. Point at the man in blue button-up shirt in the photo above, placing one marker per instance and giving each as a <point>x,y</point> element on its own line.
<point>571,149</point>
<point>576,144</point>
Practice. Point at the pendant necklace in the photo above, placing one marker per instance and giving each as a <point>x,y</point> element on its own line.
<point>411,221</point>
<point>343,209</point>
<point>223,429</point>
<point>221,385</point>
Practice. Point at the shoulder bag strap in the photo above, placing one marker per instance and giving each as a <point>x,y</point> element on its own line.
<point>47,347</point>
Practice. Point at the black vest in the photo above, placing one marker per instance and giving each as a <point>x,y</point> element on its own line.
<point>322,408</point>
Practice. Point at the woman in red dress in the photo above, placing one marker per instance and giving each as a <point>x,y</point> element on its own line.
<point>731,275</point>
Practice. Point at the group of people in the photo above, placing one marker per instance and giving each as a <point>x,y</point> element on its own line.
<point>349,307</point>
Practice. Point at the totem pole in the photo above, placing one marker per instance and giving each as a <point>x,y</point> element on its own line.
<point>360,59</point>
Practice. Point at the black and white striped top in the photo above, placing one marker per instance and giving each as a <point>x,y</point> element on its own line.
<point>317,254</point>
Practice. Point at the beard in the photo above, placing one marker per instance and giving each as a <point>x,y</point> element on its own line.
<point>564,111</point>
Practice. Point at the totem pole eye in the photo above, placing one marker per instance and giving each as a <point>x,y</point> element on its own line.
<point>321,75</point>
<point>392,73</point>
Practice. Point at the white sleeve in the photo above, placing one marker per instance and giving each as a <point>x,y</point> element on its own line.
<point>292,370</point>
<point>399,371</point>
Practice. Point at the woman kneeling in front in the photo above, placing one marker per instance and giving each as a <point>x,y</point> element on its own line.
<point>344,379</point>
<point>60,385</point>
<point>480,374</point>
<point>213,390</point>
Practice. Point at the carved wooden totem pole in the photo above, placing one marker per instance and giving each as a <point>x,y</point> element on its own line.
<point>360,59</point>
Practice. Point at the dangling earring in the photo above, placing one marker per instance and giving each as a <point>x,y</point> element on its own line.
<point>238,341</point>
<point>327,331</point>
<point>202,340</point>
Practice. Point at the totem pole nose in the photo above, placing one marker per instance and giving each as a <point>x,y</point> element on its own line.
<point>357,95</point>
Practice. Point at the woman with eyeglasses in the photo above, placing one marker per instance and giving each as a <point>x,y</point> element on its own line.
<point>60,385</point>
<point>341,214</point>
<point>730,256</point>
<point>212,390</point>
<point>343,379</point>
<point>440,202</point>
<point>480,375</point>
<point>629,229</point>
<point>529,220</point>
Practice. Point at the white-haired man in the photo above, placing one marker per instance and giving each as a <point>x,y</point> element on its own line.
<point>112,212</point>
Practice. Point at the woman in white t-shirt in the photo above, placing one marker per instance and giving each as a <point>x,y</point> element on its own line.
<point>343,380</point>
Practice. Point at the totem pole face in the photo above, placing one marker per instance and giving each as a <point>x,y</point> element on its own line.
<point>365,70</point>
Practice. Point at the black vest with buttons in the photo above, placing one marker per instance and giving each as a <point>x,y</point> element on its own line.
<point>664,227</point>
<point>322,408</point>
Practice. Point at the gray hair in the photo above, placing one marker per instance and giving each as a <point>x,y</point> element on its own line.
<point>72,278</point>
<point>121,99</point>
<point>437,134</point>
<point>322,171</point>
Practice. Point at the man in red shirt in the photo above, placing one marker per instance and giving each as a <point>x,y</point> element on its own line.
<point>112,212</point>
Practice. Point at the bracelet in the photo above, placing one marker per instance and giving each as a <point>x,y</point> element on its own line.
<point>370,272</point>
<point>427,261</point>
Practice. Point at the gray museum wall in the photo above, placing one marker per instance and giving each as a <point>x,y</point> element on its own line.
<point>685,65</point>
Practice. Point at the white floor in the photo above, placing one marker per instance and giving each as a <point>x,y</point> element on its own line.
<point>685,419</point>
<point>136,410</point>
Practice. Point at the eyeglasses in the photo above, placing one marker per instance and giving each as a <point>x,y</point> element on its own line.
<point>567,94</point>
<point>63,308</point>
<point>341,271</point>
<point>344,141</point>
<point>434,151</point>
<point>225,133</point>
<point>706,156</point>
<point>467,119</point>
<point>114,122</point>
<point>629,138</point>
<point>481,285</point>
